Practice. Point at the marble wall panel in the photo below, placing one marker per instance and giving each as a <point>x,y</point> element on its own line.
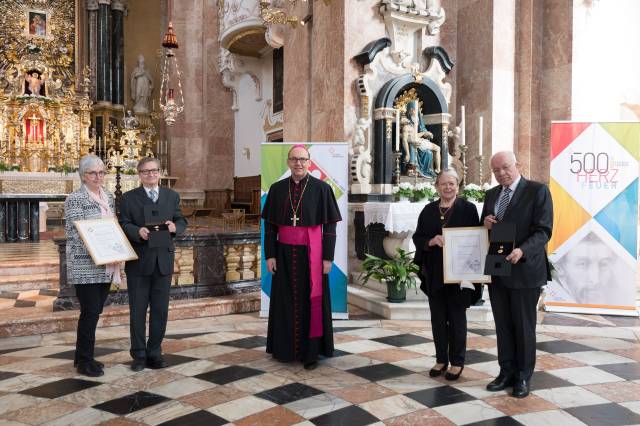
<point>202,138</point>
<point>297,79</point>
<point>327,72</point>
<point>474,75</point>
<point>556,74</point>
<point>363,24</point>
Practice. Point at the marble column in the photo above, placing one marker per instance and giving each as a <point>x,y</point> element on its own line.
<point>34,221</point>
<point>3,222</point>
<point>12,221</point>
<point>103,52</point>
<point>117,52</point>
<point>23,220</point>
<point>92,40</point>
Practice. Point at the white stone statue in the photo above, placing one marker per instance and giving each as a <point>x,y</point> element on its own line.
<point>141,87</point>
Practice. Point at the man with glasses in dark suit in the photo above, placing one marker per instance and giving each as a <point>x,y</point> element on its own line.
<point>150,217</point>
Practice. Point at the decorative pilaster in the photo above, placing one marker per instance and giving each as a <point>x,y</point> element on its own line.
<point>103,52</point>
<point>118,9</point>
<point>92,40</point>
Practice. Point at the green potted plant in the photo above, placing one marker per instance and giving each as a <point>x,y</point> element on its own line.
<point>423,191</point>
<point>473,192</point>
<point>403,192</point>
<point>398,273</point>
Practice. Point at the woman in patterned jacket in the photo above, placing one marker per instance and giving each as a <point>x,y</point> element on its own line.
<point>92,282</point>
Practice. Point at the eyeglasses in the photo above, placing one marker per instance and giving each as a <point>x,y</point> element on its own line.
<point>298,159</point>
<point>149,172</point>
<point>96,174</point>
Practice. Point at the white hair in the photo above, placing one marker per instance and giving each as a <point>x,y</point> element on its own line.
<point>87,162</point>
<point>449,172</point>
<point>509,154</point>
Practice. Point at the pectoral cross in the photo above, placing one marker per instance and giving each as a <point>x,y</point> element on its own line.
<point>295,220</point>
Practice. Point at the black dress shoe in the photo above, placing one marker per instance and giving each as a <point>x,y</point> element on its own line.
<point>451,376</point>
<point>89,369</point>
<point>138,364</point>
<point>520,389</point>
<point>93,361</point>
<point>435,372</point>
<point>311,365</point>
<point>157,363</point>
<point>500,383</point>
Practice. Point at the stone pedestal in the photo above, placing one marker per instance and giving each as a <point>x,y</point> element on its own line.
<point>413,309</point>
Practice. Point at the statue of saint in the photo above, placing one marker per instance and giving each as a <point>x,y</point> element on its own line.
<point>141,87</point>
<point>419,151</point>
<point>129,121</point>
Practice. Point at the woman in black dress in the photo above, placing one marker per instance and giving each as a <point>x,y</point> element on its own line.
<point>447,302</point>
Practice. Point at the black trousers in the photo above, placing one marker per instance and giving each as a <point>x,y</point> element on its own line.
<point>514,313</point>
<point>149,291</point>
<point>91,298</point>
<point>449,324</point>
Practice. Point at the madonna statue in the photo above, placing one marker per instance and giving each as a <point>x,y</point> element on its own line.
<point>420,154</point>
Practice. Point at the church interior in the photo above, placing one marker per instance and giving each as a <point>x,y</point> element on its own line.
<point>404,89</point>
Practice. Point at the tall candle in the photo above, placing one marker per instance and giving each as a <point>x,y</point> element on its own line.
<point>480,135</point>
<point>462,126</point>
<point>397,130</point>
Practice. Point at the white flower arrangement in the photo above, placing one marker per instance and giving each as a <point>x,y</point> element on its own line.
<point>404,190</point>
<point>475,192</point>
<point>424,190</point>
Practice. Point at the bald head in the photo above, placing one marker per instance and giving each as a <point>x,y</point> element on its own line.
<point>504,167</point>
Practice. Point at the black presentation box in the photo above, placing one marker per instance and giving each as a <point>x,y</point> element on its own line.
<point>155,218</point>
<point>501,243</point>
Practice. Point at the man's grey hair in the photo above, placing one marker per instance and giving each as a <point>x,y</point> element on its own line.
<point>448,172</point>
<point>146,160</point>
<point>509,154</point>
<point>87,162</point>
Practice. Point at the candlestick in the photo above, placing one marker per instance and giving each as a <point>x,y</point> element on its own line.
<point>463,126</point>
<point>480,127</point>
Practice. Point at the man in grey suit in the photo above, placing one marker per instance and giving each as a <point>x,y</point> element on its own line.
<point>149,277</point>
<point>514,298</point>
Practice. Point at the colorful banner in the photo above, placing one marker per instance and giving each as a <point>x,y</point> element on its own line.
<point>329,162</point>
<point>594,248</point>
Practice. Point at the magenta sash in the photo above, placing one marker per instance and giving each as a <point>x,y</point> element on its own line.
<point>310,236</point>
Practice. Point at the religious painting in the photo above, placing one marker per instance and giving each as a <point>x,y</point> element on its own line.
<point>37,23</point>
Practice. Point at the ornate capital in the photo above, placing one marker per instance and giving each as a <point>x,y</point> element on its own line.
<point>92,5</point>
<point>120,5</point>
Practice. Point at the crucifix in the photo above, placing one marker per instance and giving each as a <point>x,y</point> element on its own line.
<point>295,220</point>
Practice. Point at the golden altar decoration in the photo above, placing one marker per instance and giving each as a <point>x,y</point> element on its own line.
<point>44,119</point>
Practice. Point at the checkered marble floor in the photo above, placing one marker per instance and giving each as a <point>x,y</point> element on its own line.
<point>588,372</point>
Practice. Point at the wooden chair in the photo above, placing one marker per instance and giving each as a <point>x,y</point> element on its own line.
<point>233,220</point>
<point>246,194</point>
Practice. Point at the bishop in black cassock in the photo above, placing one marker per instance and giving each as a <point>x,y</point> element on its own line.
<point>300,233</point>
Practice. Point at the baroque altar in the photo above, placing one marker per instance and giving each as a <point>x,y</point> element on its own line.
<point>45,113</point>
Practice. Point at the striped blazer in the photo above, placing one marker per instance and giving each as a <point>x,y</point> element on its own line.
<point>80,267</point>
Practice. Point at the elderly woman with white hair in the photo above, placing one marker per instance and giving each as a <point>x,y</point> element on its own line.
<point>447,302</point>
<point>92,282</point>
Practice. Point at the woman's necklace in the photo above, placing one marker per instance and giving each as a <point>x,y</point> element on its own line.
<point>445,211</point>
<point>295,219</point>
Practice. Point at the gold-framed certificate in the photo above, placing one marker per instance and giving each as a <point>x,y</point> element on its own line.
<point>105,241</point>
<point>464,254</point>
